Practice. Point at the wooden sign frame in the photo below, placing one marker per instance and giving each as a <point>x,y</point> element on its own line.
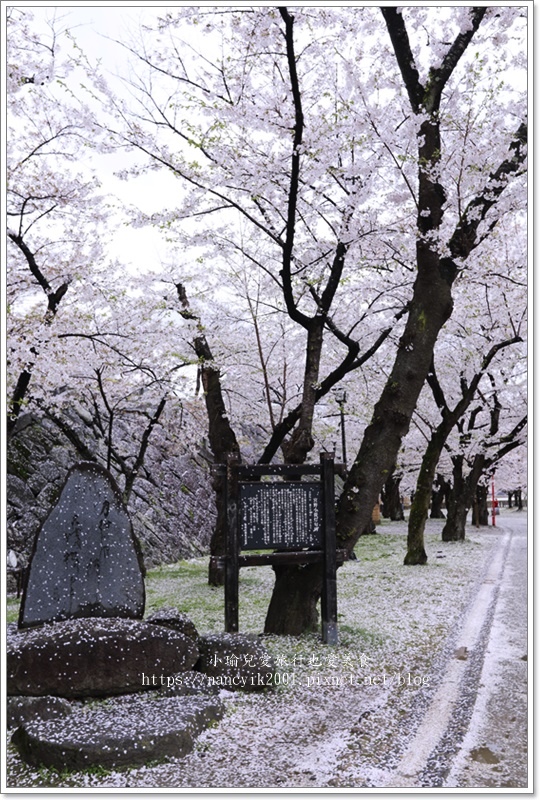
<point>236,475</point>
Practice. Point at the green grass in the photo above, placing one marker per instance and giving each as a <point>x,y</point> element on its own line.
<point>184,586</point>
<point>378,573</point>
<point>12,609</point>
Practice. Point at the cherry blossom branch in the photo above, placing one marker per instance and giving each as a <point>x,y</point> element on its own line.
<point>292,201</point>
<point>426,97</point>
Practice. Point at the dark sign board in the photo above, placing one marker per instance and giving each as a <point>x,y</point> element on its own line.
<point>274,515</point>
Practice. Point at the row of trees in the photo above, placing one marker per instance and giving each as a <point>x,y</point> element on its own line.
<point>347,210</point>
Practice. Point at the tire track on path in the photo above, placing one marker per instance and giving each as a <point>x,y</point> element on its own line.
<point>427,758</point>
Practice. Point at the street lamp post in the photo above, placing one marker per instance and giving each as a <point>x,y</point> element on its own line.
<point>341,399</point>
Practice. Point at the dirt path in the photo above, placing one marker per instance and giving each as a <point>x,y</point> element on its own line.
<point>494,750</point>
<point>474,732</point>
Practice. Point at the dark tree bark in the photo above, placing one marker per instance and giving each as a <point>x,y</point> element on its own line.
<point>392,507</point>
<point>221,436</point>
<point>454,529</point>
<point>223,443</point>
<point>461,496</point>
<point>510,495</point>
<point>519,499</point>
<point>481,512</point>
<point>293,606</point>
<point>54,298</point>
<point>19,394</point>
<point>296,449</point>
<point>416,553</point>
<point>464,486</point>
<point>439,495</point>
<point>132,473</point>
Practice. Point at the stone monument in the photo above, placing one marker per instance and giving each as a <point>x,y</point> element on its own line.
<point>86,560</point>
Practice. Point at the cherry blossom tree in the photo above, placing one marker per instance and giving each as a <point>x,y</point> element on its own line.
<point>363,181</point>
<point>84,332</point>
<point>300,219</point>
<point>488,433</point>
<point>471,364</point>
<point>56,219</point>
<point>451,227</point>
<point>451,417</point>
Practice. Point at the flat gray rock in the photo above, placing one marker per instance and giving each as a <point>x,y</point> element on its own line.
<point>176,620</point>
<point>86,560</point>
<point>94,657</point>
<point>118,734</point>
<point>26,709</point>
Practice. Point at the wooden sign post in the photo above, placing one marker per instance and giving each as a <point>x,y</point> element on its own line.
<point>292,517</point>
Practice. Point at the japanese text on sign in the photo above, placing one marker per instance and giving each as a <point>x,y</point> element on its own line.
<point>280,515</point>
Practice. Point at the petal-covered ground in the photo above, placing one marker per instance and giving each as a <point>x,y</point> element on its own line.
<point>426,688</point>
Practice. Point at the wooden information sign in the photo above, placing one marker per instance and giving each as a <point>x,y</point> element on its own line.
<point>296,518</point>
<point>280,515</point>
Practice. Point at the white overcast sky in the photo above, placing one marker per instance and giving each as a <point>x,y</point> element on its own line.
<point>95,26</point>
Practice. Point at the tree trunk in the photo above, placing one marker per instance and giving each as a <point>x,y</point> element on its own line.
<point>222,443</point>
<point>221,436</point>
<point>17,398</point>
<point>293,607</point>
<point>450,417</point>
<point>54,299</point>
<point>461,496</point>
<point>416,553</point>
<point>430,307</point>
<point>454,530</point>
<point>218,543</point>
<point>510,494</point>
<point>392,506</point>
<point>481,503</point>
<point>439,496</point>
<point>458,505</point>
<point>428,310</point>
<point>300,444</point>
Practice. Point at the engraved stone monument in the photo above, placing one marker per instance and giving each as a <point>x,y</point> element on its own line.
<point>86,560</point>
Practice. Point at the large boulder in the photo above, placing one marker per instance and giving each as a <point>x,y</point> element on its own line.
<point>117,733</point>
<point>26,709</point>
<point>86,561</point>
<point>95,657</point>
<point>235,661</point>
<point>176,620</point>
